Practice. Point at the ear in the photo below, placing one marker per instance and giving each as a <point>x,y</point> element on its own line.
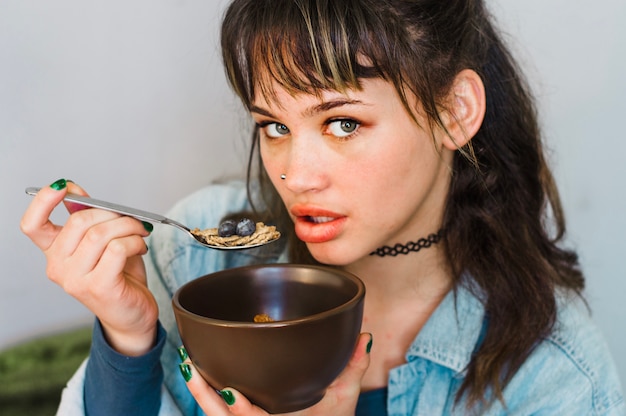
<point>465,109</point>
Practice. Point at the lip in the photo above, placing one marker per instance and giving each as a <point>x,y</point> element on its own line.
<point>317,232</point>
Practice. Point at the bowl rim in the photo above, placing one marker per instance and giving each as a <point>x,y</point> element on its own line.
<point>356,298</point>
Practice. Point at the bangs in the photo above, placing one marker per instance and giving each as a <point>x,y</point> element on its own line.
<point>303,46</point>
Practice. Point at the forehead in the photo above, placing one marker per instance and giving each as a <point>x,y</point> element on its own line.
<point>372,93</point>
<point>273,91</point>
<point>282,99</point>
<point>375,94</point>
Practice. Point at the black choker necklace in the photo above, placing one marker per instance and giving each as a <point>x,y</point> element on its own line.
<point>411,246</point>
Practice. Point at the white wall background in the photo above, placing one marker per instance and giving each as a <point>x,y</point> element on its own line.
<point>129,100</point>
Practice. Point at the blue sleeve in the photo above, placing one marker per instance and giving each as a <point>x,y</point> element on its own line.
<point>119,385</point>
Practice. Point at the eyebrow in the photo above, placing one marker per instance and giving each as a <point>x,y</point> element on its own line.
<point>316,109</point>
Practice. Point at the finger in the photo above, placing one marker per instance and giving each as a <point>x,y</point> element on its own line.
<point>64,264</point>
<point>348,384</point>
<point>36,222</point>
<point>77,190</point>
<point>70,236</point>
<point>238,404</point>
<point>105,280</point>
<point>360,360</point>
<point>209,400</point>
<point>118,252</point>
<point>99,248</point>
<point>342,395</point>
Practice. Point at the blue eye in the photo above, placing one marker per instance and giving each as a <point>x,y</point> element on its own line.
<point>275,130</point>
<point>343,128</point>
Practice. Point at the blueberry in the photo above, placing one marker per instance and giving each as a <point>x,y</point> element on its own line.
<point>227,228</point>
<point>246,227</point>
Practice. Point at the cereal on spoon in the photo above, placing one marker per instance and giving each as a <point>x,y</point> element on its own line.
<point>233,234</point>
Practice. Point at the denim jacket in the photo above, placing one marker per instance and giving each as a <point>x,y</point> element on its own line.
<point>569,373</point>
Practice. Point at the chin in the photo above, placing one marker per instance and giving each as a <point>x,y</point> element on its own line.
<point>334,255</point>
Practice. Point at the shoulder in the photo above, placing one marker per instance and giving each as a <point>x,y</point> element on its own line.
<point>572,368</point>
<point>579,344</point>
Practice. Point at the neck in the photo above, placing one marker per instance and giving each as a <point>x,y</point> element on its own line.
<point>408,248</point>
<point>401,294</point>
<point>414,276</point>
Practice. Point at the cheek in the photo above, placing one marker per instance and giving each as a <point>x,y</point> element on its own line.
<point>392,164</point>
<point>275,165</point>
<point>270,161</point>
<point>398,174</point>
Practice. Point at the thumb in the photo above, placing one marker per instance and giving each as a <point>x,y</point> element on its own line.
<point>360,360</point>
<point>350,378</point>
<point>77,190</point>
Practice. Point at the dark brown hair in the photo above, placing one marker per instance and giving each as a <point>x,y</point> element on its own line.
<point>503,219</point>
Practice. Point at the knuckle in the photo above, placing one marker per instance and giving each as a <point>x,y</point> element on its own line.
<point>57,270</point>
<point>79,220</point>
<point>132,223</point>
<point>52,271</point>
<point>61,275</point>
<point>95,234</point>
<point>117,247</point>
<point>26,227</point>
<point>73,288</point>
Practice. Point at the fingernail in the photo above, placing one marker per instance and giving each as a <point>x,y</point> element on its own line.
<point>58,185</point>
<point>185,370</point>
<point>369,344</point>
<point>149,227</point>
<point>182,353</point>
<point>228,397</point>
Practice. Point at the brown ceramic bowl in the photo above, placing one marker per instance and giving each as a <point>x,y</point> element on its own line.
<point>284,365</point>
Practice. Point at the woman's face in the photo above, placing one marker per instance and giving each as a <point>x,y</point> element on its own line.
<point>360,173</point>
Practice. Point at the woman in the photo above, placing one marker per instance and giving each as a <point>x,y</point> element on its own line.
<point>401,140</point>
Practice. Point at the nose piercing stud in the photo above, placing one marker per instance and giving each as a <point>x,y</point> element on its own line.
<point>283,176</point>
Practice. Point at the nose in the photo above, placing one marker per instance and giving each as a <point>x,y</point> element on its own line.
<point>307,166</point>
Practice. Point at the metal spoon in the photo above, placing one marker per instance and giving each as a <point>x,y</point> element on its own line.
<point>145,216</point>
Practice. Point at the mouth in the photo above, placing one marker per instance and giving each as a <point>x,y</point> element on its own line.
<point>317,220</point>
<point>314,225</point>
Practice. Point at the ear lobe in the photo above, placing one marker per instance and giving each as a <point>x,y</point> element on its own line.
<point>465,109</point>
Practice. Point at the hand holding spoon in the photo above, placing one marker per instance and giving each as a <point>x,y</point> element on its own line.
<point>141,215</point>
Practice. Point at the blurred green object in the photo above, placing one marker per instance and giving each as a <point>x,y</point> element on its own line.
<point>33,374</point>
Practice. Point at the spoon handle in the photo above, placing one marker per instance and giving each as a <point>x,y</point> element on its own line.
<point>109,206</point>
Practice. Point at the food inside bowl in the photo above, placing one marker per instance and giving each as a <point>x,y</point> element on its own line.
<point>262,317</point>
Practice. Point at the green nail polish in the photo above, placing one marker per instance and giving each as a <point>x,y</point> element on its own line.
<point>228,397</point>
<point>149,227</point>
<point>185,370</point>
<point>182,353</point>
<point>58,185</point>
<point>369,345</point>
